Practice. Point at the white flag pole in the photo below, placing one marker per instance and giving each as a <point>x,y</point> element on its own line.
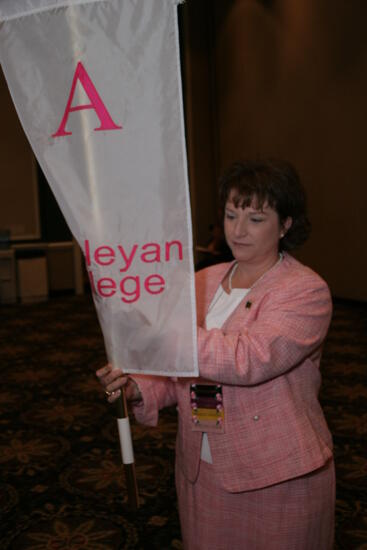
<point>127,451</point>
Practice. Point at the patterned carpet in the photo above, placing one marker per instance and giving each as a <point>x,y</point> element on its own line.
<point>62,483</point>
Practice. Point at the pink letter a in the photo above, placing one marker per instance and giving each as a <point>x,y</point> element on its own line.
<point>96,104</point>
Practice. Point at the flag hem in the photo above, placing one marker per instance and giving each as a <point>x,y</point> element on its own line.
<point>188,210</point>
<point>57,4</point>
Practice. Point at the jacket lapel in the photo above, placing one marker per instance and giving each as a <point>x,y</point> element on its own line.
<point>210,280</point>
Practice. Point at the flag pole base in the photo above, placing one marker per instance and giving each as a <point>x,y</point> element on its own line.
<point>129,469</point>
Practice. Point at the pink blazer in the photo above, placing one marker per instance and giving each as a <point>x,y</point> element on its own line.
<point>267,356</point>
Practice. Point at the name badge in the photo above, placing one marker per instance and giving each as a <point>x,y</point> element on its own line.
<point>207,408</point>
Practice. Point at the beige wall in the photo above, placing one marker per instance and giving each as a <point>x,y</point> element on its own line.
<point>291,81</point>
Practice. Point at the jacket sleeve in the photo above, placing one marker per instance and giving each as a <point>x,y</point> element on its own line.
<point>291,324</point>
<point>157,392</point>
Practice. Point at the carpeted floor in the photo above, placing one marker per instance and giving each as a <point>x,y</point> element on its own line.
<point>62,483</point>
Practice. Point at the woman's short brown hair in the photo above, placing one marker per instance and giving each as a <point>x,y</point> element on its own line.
<point>272,182</point>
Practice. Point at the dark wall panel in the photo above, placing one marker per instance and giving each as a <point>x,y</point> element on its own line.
<point>289,79</point>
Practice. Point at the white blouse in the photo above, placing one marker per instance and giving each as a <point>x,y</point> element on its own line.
<point>220,309</point>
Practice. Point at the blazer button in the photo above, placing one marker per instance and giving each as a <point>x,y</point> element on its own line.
<point>256,417</point>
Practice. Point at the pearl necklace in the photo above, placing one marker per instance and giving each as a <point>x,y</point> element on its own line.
<point>234,269</point>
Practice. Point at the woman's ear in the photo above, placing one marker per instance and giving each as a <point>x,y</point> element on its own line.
<point>285,226</point>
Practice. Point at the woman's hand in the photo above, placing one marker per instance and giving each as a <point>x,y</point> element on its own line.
<point>113,380</point>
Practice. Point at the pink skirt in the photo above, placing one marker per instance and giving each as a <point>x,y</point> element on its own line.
<point>294,515</point>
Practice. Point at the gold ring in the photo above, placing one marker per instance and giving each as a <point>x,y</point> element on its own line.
<point>108,393</point>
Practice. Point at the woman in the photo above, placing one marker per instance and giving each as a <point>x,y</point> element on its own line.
<point>254,466</point>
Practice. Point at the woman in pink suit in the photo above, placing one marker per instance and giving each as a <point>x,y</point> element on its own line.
<point>254,467</point>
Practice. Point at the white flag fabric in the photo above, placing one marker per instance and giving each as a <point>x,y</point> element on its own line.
<point>97,87</point>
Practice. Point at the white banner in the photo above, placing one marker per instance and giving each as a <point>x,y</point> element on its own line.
<point>97,87</point>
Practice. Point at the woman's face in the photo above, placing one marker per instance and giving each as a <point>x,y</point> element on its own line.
<point>252,234</point>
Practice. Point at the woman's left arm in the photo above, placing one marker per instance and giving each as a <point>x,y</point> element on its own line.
<point>289,327</point>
